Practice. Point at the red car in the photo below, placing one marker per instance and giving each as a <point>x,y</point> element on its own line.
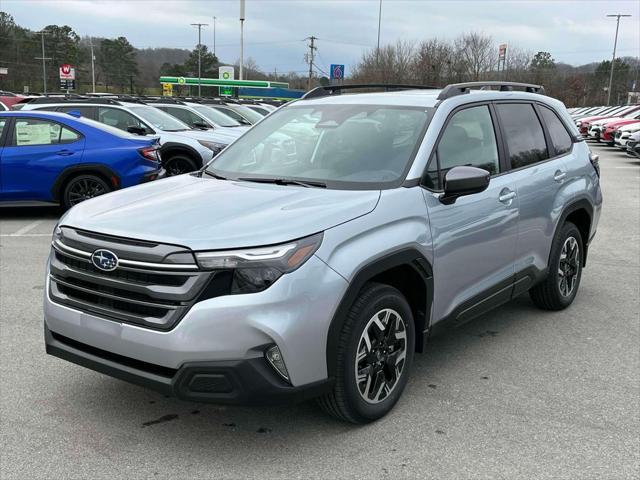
<point>584,123</point>
<point>608,133</point>
<point>8,98</point>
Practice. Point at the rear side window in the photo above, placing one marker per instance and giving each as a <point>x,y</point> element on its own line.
<point>84,111</point>
<point>31,131</point>
<point>3,122</point>
<point>523,132</point>
<point>559,137</point>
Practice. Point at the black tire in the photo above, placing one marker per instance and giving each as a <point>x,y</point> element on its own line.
<point>179,164</point>
<point>550,294</point>
<point>83,187</point>
<point>345,401</point>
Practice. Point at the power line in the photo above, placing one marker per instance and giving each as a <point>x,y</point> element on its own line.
<point>199,25</point>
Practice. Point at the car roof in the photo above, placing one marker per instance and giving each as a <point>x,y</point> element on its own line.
<point>38,113</point>
<point>421,98</point>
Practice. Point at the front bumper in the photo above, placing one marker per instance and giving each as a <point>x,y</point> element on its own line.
<point>238,382</point>
<point>294,314</point>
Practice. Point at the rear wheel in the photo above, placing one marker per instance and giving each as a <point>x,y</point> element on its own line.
<point>375,353</point>
<point>83,187</point>
<point>179,164</point>
<point>560,287</point>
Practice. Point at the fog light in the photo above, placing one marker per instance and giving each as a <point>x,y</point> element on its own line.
<point>274,357</point>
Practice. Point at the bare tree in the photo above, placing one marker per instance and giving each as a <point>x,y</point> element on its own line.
<point>432,62</point>
<point>476,52</point>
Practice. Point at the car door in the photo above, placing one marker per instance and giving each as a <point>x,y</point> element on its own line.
<point>37,150</point>
<point>539,174</point>
<point>474,239</point>
<point>4,128</point>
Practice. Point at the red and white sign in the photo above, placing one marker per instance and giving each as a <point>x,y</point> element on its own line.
<point>67,72</point>
<point>502,51</point>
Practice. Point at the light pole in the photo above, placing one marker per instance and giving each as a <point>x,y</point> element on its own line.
<point>379,23</point>
<point>214,35</point>
<point>199,25</point>
<point>613,60</point>
<point>241,37</point>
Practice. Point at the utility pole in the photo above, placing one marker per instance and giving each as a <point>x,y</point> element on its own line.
<point>44,65</point>
<point>93,67</point>
<point>199,25</point>
<point>241,38</point>
<point>312,49</point>
<point>613,60</point>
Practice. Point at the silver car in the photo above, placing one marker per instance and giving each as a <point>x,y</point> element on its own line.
<point>317,268</point>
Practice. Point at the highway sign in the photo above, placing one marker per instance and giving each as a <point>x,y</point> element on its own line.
<point>336,72</point>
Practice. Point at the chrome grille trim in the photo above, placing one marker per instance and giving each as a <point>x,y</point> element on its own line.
<point>146,293</point>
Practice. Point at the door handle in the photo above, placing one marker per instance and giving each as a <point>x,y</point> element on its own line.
<point>506,196</point>
<point>559,176</point>
<point>64,153</point>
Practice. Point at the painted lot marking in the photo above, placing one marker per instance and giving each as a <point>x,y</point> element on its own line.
<point>26,229</point>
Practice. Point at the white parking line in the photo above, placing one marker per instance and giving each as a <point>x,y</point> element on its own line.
<point>25,235</point>
<point>628,168</point>
<point>26,229</point>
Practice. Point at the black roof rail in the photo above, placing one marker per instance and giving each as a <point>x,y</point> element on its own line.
<point>333,89</point>
<point>169,100</point>
<point>71,99</point>
<point>461,88</point>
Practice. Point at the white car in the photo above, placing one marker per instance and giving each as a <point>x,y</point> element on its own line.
<point>624,132</point>
<point>183,149</point>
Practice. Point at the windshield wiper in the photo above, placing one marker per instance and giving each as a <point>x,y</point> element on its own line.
<point>284,181</point>
<point>215,175</point>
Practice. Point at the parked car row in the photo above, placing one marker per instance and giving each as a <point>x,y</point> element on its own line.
<point>97,143</point>
<point>617,126</point>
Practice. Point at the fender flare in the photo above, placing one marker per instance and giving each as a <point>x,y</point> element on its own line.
<point>84,168</point>
<point>192,152</point>
<point>579,204</point>
<point>410,257</point>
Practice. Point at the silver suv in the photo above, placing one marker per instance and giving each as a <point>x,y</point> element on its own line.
<point>318,267</point>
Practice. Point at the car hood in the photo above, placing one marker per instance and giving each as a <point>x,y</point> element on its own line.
<point>207,135</point>
<point>209,214</point>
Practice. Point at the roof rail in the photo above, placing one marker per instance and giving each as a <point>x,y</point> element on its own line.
<point>161,100</point>
<point>461,88</point>
<point>70,99</point>
<point>333,89</point>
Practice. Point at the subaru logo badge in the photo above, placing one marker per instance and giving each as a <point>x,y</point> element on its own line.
<point>105,260</point>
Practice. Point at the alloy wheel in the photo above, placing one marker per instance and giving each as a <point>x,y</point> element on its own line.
<point>84,189</point>
<point>381,355</point>
<point>569,266</point>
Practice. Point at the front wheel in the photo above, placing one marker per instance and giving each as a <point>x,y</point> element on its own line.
<point>558,290</point>
<point>375,353</point>
<point>83,187</point>
<point>179,164</point>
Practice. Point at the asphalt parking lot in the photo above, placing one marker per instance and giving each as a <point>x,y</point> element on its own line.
<point>517,393</point>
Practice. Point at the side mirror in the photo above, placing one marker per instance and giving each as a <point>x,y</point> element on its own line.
<point>461,181</point>
<point>137,130</point>
<point>200,125</point>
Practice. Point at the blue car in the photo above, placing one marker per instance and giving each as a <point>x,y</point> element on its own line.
<point>60,158</point>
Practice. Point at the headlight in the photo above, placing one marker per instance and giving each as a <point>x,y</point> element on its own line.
<point>256,269</point>
<point>215,147</point>
<point>57,232</point>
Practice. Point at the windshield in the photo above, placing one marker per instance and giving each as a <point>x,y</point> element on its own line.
<point>235,115</point>
<point>159,119</point>
<point>253,117</point>
<point>343,146</point>
<point>217,117</point>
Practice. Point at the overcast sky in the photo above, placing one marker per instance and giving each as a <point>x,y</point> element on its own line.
<point>575,32</point>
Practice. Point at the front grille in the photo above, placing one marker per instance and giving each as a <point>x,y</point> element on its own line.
<point>147,288</point>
